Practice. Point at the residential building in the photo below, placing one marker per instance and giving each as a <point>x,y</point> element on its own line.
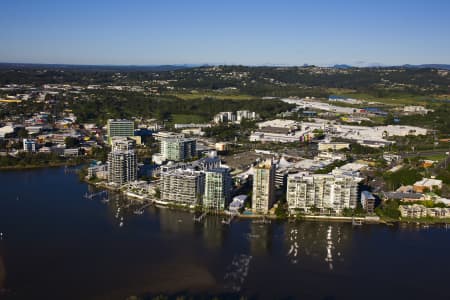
<point>178,149</point>
<point>368,201</point>
<point>328,191</point>
<point>29,145</point>
<point>413,211</point>
<point>183,187</point>
<point>122,161</point>
<point>98,171</point>
<point>217,189</point>
<point>427,184</point>
<point>119,128</point>
<point>263,195</point>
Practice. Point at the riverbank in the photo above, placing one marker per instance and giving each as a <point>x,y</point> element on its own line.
<point>31,167</point>
<point>143,199</point>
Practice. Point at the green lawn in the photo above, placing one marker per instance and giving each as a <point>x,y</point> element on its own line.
<point>390,100</point>
<point>202,95</point>
<point>183,119</point>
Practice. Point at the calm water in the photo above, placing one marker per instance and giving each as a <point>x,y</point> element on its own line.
<point>58,245</point>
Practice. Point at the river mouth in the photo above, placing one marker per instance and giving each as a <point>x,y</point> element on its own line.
<point>57,244</point>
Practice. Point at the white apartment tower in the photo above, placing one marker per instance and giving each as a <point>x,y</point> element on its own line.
<point>122,161</point>
<point>329,191</point>
<point>184,187</point>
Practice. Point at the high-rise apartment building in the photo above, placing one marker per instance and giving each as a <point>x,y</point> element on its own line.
<point>218,186</point>
<point>122,161</point>
<point>329,191</point>
<point>178,149</point>
<point>263,195</point>
<point>119,128</point>
<point>185,187</point>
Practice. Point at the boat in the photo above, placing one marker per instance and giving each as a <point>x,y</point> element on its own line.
<point>105,200</point>
<point>356,222</point>
<point>226,222</point>
<point>138,212</point>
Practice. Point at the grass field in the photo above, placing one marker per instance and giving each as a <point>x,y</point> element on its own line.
<point>404,99</point>
<point>183,119</point>
<point>202,95</point>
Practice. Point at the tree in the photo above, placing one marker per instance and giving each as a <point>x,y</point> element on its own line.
<point>71,142</point>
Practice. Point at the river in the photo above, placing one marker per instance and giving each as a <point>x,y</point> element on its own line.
<point>58,245</point>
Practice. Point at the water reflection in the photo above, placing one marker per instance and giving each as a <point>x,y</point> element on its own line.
<point>260,238</point>
<point>2,275</point>
<point>214,232</point>
<point>237,272</point>
<point>172,221</point>
<point>319,241</point>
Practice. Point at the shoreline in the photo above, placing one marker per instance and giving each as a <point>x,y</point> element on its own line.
<point>34,167</point>
<point>144,199</point>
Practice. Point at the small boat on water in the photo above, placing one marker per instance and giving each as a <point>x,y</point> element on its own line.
<point>120,224</point>
<point>356,222</point>
<point>105,200</point>
<point>138,212</point>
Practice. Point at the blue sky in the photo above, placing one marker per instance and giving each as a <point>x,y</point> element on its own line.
<point>225,32</point>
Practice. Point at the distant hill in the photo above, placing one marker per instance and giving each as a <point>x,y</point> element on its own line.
<point>114,68</point>
<point>342,66</point>
<point>429,66</point>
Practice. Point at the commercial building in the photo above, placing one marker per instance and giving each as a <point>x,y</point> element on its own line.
<point>183,187</point>
<point>334,146</point>
<point>119,128</point>
<point>217,189</point>
<point>263,195</point>
<point>122,161</point>
<point>328,191</point>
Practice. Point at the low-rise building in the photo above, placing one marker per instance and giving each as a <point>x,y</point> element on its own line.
<point>427,184</point>
<point>29,145</point>
<point>368,201</point>
<point>334,146</point>
<point>413,211</point>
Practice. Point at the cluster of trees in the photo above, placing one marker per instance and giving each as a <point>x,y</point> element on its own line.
<point>103,105</point>
<point>438,119</point>
<point>260,81</point>
<point>24,160</point>
<point>404,176</point>
<point>388,209</point>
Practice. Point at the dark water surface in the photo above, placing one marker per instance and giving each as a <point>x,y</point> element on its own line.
<point>58,245</point>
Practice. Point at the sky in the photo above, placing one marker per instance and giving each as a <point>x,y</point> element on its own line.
<point>278,32</point>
